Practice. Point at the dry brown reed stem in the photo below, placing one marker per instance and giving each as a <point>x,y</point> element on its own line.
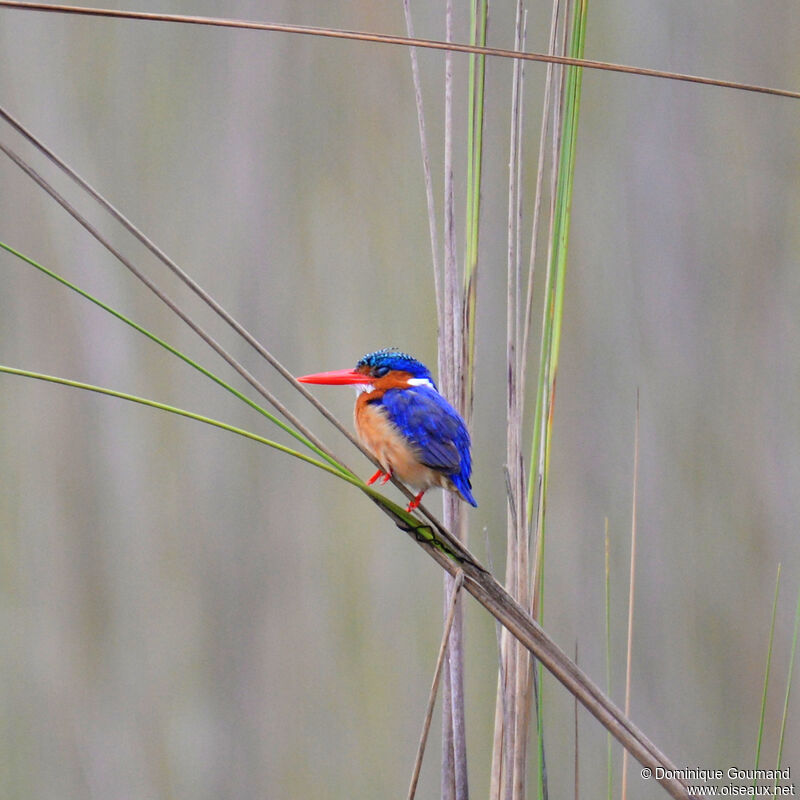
<point>448,368</point>
<point>437,673</point>
<point>537,203</point>
<point>631,593</point>
<point>523,665</point>
<point>515,758</point>
<point>510,652</point>
<point>518,574</point>
<point>452,742</point>
<point>382,38</point>
<point>539,507</point>
<point>518,336</point>
<point>454,752</point>
<point>491,595</point>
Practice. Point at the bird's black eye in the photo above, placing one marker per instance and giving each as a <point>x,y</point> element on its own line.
<point>379,372</point>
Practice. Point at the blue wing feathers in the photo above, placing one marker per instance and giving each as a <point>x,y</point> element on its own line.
<point>428,421</point>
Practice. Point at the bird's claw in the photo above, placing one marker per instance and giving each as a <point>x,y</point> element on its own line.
<point>380,474</point>
<point>415,502</point>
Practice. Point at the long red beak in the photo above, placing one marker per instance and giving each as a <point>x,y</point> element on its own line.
<point>339,377</point>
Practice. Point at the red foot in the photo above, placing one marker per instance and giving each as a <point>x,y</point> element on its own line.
<point>416,501</point>
<point>386,476</point>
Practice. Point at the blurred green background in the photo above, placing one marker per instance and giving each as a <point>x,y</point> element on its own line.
<point>184,614</point>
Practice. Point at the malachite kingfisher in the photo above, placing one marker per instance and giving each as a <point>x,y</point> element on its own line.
<point>401,418</point>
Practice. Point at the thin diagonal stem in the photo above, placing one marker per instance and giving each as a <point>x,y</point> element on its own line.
<point>423,534</point>
<point>159,341</point>
<point>196,288</point>
<point>184,413</point>
<point>164,258</point>
<point>169,302</point>
<point>382,38</point>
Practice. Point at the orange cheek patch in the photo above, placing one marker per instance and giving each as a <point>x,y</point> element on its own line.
<point>394,380</point>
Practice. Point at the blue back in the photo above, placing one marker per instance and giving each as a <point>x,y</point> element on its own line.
<point>434,427</point>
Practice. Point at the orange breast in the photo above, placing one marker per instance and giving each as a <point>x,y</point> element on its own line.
<point>393,451</point>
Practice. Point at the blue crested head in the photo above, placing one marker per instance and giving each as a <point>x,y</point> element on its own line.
<point>390,359</point>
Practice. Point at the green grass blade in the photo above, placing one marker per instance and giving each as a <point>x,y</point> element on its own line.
<point>64,282</point>
<point>403,518</point>
<point>179,411</point>
<point>767,669</point>
<point>789,681</point>
<point>552,317</point>
<point>565,184</point>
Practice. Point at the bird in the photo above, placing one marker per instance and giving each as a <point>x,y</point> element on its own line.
<point>407,425</point>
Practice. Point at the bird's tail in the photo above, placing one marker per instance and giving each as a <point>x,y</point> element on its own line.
<point>464,488</point>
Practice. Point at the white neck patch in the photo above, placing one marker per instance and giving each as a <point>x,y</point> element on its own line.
<point>364,387</point>
<point>420,382</point>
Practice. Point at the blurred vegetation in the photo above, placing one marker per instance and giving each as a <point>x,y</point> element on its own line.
<point>184,615</point>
